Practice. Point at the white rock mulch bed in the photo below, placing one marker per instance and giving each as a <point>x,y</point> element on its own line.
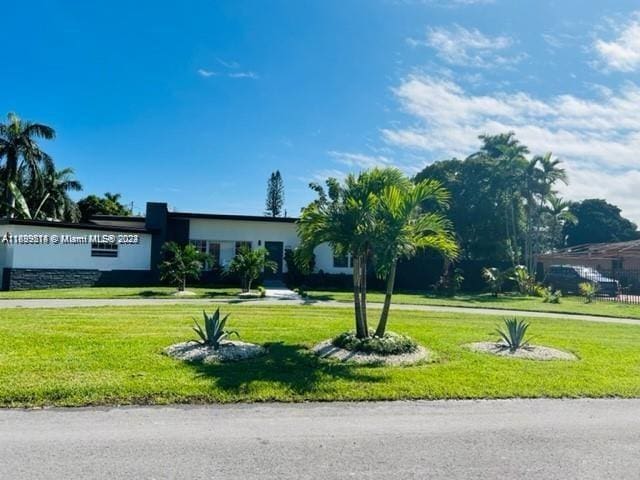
<point>532,352</point>
<point>327,350</point>
<point>184,293</point>
<point>229,351</point>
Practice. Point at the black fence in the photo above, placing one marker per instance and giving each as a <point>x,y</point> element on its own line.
<point>617,285</point>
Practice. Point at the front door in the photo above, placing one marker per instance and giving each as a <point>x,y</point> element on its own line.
<point>276,252</point>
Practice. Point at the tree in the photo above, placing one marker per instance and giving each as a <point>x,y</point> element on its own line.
<point>56,185</point>
<point>107,205</point>
<point>275,195</point>
<point>558,215</point>
<point>19,148</point>
<point>402,229</point>
<point>248,264</point>
<point>373,217</point>
<point>598,222</point>
<point>181,264</point>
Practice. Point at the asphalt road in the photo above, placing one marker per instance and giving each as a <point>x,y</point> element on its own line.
<point>513,439</point>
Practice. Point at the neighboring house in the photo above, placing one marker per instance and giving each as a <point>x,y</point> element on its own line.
<point>41,254</point>
<point>604,257</point>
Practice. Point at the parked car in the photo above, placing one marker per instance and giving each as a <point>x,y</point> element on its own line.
<point>567,278</point>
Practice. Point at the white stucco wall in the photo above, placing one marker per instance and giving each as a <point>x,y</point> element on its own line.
<point>130,256</point>
<point>227,232</point>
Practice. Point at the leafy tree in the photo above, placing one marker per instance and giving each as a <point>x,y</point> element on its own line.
<point>598,222</point>
<point>248,264</point>
<point>19,148</point>
<point>275,195</point>
<point>181,264</point>
<point>107,205</point>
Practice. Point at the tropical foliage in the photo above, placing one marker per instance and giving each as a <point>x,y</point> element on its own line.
<point>376,217</point>
<point>214,331</point>
<point>181,264</point>
<point>31,186</point>
<point>588,290</point>
<point>248,264</point>
<point>513,333</point>
<point>495,278</point>
<point>108,205</point>
<point>388,344</point>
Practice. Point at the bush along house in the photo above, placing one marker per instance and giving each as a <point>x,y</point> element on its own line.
<point>122,251</point>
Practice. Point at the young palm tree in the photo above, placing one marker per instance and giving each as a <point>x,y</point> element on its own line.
<point>559,214</point>
<point>181,264</point>
<point>403,229</point>
<point>56,184</point>
<point>248,264</point>
<point>18,146</point>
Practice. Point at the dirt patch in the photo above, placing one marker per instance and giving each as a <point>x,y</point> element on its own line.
<point>229,351</point>
<point>327,350</point>
<point>532,352</point>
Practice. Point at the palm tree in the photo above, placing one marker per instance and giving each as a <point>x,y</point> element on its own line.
<point>18,146</point>
<point>344,216</point>
<point>58,184</point>
<point>403,228</point>
<point>559,214</point>
<point>181,264</point>
<point>248,264</point>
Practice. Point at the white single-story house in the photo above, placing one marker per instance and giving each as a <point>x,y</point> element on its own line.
<point>118,250</point>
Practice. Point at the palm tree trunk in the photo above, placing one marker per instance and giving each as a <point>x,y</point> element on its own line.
<point>10,172</point>
<point>363,294</point>
<point>391,279</point>
<point>360,332</point>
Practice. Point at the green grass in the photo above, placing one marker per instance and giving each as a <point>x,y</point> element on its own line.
<point>119,292</point>
<point>108,356</point>
<point>569,304</point>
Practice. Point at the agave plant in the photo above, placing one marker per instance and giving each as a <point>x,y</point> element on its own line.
<point>513,334</point>
<point>214,331</point>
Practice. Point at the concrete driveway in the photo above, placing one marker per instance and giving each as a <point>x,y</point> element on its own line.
<point>514,439</point>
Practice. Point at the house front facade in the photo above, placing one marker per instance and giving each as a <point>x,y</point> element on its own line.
<point>114,250</point>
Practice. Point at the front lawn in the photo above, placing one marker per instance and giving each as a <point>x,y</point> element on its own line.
<point>120,292</point>
<point>510,301</point>
<point>109,356</point>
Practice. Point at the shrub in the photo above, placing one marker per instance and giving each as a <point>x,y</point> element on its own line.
<point>549,295</point>
<point>298,267</point>
<point>181,263</point>
<point>214,331</point>
<point>513,333</point>
<point>588,290</point>
<point>525,281</point>
<point>262,291</point>
<point>494,279</point>
<point>390,344</point>
<point>248,265</point>
<point>450,282</point>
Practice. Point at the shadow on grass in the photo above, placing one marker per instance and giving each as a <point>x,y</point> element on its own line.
<point>291,367</point>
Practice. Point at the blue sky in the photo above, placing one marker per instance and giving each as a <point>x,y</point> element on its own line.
<point>196,102</point>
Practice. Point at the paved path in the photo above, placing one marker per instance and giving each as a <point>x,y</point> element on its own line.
<point>132,302</point>
<point>513,439</point>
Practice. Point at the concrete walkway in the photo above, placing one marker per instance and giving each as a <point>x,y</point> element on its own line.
<point>287,300</point>
<point>512,439</point>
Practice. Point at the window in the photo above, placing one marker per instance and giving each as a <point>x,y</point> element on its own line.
<point>239,245</point>
<point>102,249</point>
<point>201,245</point>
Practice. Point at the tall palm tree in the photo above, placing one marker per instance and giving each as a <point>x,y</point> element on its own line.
<point>559,214</point>
<point>18,146</point>
<point>403,228</point>
<point>58,184</point>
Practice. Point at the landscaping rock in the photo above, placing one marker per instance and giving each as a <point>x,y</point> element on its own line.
<point>229,351</point>
<point>184,293</point>
<point>532,352</point>
<point>327,350</point>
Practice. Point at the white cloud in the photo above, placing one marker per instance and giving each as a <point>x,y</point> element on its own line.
<point>598,136</point>
<point>360,160</point>
<point>251,75</point>
<point>623,52</point>
<point>206,73</point>
<point>460,46</point>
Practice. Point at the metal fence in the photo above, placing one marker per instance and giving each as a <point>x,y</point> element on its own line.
<point>618,285</point>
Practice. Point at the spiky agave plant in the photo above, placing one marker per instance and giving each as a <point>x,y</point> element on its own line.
<point>513,333</point>
<point>214,331</point>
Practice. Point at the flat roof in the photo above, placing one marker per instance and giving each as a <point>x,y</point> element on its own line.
<point>69,225</point>
<point>220,216</point>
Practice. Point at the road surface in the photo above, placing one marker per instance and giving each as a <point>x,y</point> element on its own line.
<point>512,439</point>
